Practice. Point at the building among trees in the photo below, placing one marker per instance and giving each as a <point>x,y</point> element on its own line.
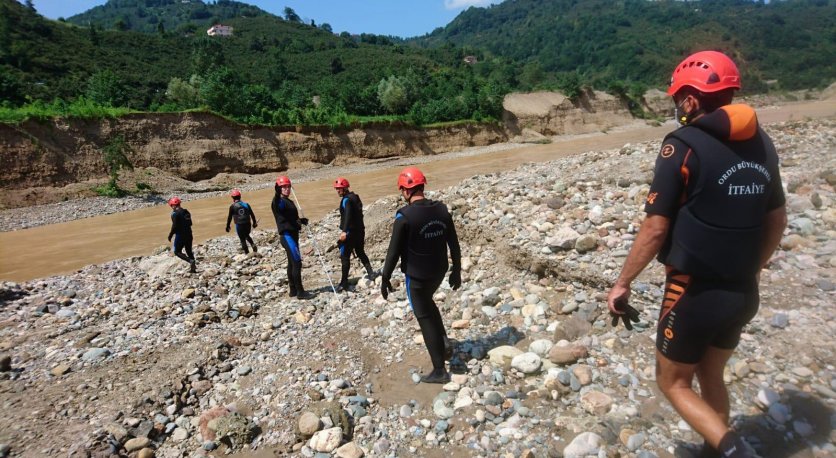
<point>219,30</point>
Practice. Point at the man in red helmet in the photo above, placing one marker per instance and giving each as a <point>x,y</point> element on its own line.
<point>422,232</point>
<point>181,230</point>
<point>242,213</point>
<point>715,214</point>
<point>289,224</point>
<point>352,232</point>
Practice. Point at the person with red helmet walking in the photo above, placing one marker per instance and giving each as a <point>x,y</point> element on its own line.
<point>181,230</point>
<point>289,224</point>
<point>422,232</point>
<point>243,213</point>
<point>715,214</point>
<point>352,232</point>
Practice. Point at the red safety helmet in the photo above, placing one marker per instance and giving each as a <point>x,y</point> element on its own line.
<point>174,201</point>
<point>235,193</point>
<point>411,177</point>
<point>340,183</point>
<point>282,180</point>
<point>705,71</point>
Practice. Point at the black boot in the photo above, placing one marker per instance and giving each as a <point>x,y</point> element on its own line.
<point>342,286</point>
<point>369,271</point>
<point>192,266</point>
<point>436,376</point>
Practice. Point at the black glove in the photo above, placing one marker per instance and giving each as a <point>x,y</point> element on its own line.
<point>169,237</point>
<point>227,228</point>
<point>304,221</point>
<point>630,314</point>
<point>255,225</point>
<point>385,287</point>
<point>455,279</point>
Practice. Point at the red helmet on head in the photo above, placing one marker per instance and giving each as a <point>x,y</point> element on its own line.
<point>174,201</point>
<point>705,71</point>
<point>411,177</point>
<point>340,183</point>
<point>282,180</point>
<point>235,193</point>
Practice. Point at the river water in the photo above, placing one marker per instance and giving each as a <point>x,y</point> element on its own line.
<point>65,247</point>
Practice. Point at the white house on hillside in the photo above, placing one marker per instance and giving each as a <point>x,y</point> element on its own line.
<point>219,30</point>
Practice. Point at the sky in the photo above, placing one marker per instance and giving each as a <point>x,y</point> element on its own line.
<point>403,18</point>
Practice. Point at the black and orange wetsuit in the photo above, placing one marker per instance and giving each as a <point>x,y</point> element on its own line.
<point>715,179</point>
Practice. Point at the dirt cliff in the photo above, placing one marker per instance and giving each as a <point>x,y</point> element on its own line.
<point>46,161</point>
<point>552,113</point>
<point>197,146</point>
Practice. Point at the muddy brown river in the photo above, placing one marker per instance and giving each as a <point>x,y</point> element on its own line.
<point>65,247</point>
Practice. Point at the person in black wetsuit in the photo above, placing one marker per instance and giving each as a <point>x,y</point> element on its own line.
<point>181,230</point>
<point>243,213</point>
<point>715,214</point>
<point>352,232</point>
<point>421,234</point>
<point>289,224</point>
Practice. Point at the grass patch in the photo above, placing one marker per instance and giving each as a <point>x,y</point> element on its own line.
<point>81,108</point>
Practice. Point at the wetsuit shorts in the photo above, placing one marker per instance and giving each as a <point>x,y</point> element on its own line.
<point>698,313</point>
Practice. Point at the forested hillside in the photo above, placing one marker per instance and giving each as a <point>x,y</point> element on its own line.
<point>791,41</point>
<point>154,55</point>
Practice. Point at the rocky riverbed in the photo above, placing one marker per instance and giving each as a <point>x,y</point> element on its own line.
<point>136,357</point>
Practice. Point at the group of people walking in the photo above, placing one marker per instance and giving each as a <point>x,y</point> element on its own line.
<point>715,214</point>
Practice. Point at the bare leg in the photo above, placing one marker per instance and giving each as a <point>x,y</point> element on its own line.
<point>674,379</point>
<point>710,375</point>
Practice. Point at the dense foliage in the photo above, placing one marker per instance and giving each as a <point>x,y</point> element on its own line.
<point>792,42</point>
<point>271,71</point>
<point>154,55</point>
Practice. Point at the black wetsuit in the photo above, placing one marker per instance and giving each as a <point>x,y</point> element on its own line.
<point>289,225</point>
<point>181,230</point>
<point>715,180</point>
<point>351,222</point>
<point>421,234</point>
<point>243,214</point>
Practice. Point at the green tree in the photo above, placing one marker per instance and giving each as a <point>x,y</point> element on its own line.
<point>336,65</point>
<point>291,15</point>
<point>161,28</point>
<point>326,27</point>
<point>207,54</point>
<point>221,90</point>
<point>105,88</point>
<point>186,94</point>
<point>393,95</point>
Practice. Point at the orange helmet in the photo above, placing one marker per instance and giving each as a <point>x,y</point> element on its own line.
<point>282,180</point>
<point>174,201</point>
<point>411,177</point>
<point>705,71</point>
<point>340,183</point>
<point>235,193</point>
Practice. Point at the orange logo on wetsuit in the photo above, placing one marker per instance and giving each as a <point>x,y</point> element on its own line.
<point>668,333</point>
<point>652,197</point>
<point>667,151</point>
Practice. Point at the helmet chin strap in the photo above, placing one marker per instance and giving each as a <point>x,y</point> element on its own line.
<point>684,118</point>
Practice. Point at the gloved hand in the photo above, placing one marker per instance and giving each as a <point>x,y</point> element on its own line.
<point>304,221</point>
<point>169,237</point>
<point>227,228</point>
<point>455,279</point>
<point>630,314</point>
<point>255,225</point>
<point>386,287</point>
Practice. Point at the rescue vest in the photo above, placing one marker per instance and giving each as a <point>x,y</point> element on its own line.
<point>241,212</point>
<point>425,254</point>
<point>355,224</point>
<point>718,231</point>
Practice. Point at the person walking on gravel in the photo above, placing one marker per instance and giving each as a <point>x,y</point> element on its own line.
<point>289,224</point>
<point>421,234</point>
<point>243,214</point>
<point>352,232</point>
<point>181,230</point>
<point>715,214</point>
